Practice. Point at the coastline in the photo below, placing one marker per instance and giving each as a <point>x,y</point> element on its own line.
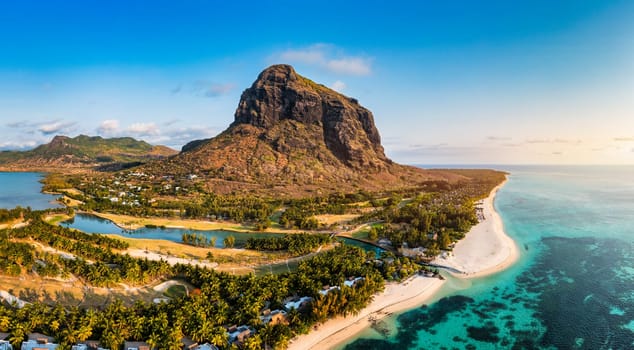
<point>396,297</point>
<point>486,249</point>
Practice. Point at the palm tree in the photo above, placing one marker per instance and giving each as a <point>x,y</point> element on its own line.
<point>220,337</point>
<point>154,340</point>
<point>17,335</point>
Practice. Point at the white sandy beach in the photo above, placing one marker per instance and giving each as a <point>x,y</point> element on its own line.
<point>396,297</point>
<point>486,249</point>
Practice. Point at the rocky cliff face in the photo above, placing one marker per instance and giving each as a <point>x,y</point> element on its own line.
<point>281,94</point>
<point>293,135</point>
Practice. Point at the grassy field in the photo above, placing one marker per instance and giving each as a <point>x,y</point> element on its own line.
<point>238,261</point>
<point>133,223</point>
<point>56,219</point>
<point>176,291</point>
<point>32,287</point>
<point>329,219</point>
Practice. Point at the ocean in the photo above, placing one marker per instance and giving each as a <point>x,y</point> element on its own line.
<point>573,287</point>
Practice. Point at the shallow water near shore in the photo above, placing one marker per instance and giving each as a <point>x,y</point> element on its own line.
<point>573,287</point>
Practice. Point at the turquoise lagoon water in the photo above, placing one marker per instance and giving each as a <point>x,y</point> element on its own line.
<point>23,189</point>
<point>573,287</point>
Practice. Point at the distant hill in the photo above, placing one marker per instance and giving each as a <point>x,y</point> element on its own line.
<point>292,136</point>
<point>84,152</point>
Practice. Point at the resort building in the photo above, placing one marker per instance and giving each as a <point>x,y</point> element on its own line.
<point>205,346</point>
<point>88,345</point>
<point>189,344</point>
<point>36,345</point>
<point>237,335</point>
<point>4,344</point>
<point>352,281</point>
<point>273,317</point>
<point>296,303</point>
<point>328,289</point>
<point>136,345</point>
<point>39,341</point>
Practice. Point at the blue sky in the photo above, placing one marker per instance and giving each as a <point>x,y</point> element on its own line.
<point>448,82</point>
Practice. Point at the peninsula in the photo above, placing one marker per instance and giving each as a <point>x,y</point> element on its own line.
<point>296,181</point>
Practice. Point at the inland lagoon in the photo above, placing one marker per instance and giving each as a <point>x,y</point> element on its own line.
<point>25,190</point>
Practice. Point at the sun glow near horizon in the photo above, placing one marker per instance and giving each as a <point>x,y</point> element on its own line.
<point>540,82</point>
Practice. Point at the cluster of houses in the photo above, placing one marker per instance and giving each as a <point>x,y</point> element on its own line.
<point>124,190</point>
<point>237,334</point>
<point>37,341</point>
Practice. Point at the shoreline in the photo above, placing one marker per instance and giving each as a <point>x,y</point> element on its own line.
<point>395,298</point>
<point>486,249</point>
<point>475,255</point>
<point>127,222</point>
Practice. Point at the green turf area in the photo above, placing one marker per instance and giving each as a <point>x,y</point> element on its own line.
<point>176,291</point>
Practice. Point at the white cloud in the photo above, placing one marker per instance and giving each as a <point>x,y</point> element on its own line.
<point>19,145</point>
<point>144,129</point>
<point>108,126</point>
<point>338,86</point>
<point>314,54</point>
<point>350,65</point>
<point>327,57</point>
<point>55,127</point>
<point>176,138</point>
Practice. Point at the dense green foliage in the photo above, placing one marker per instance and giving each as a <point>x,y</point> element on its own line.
<point>198,239</point>
<point>431,216</point>
<point>295,244</point>
<point>222,300</point>
<point>90,257</point>
<point>12,214</point>
<point>434,216</point>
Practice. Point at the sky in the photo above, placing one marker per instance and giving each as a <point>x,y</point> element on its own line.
<point>448,82</point>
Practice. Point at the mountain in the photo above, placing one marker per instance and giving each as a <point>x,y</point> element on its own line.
<point>293,136</point>
<point>83,152</point>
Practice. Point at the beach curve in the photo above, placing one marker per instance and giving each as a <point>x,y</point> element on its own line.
<point>486,249</point>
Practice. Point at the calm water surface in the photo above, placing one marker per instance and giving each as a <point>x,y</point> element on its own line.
<point>573,287</point>
<point>24,189</point>
<point>93,224</point>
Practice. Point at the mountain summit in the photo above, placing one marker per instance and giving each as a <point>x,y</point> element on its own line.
<point>280,96</point>
<point>83,152</point>
<point>290,132</point>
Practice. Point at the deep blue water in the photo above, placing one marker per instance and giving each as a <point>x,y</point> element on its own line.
<point>93,224</point>
<point>24,189</point>
<point>573,287</point>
